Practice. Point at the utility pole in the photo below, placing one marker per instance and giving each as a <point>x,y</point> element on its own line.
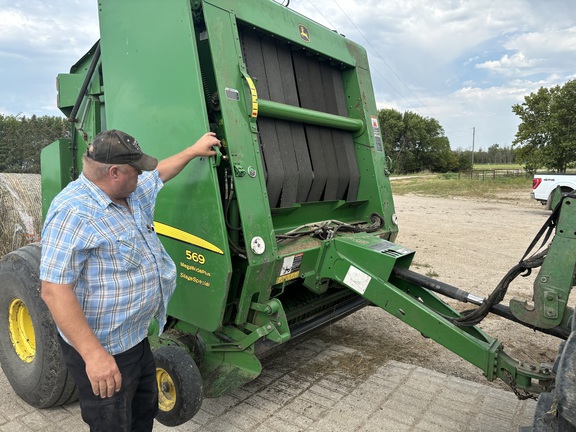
<point>473,135</point>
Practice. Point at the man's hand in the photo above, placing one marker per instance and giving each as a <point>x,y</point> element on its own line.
<point>204,146</point>
<point>103,373</point>
<point>172,166</point>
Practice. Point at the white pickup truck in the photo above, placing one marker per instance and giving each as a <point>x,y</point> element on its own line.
<point>544,184</point>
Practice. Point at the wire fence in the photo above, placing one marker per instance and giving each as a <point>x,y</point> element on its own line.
<point>487,174</point>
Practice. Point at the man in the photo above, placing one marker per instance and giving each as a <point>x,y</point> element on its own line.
<point>105,276</point>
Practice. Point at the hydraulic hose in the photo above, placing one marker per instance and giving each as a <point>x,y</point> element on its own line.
<point>465,297</point>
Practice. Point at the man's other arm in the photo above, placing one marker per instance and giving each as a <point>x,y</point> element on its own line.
<point>101,366</point>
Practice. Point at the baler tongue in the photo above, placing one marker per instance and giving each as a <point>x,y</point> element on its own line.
<point>377,270</point>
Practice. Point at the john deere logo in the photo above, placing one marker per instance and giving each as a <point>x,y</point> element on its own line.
<point>304,33</point>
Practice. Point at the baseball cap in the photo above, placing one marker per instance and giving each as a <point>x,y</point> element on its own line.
<point>117,147</point>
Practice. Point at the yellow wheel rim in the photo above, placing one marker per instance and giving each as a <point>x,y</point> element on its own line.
<point>21,331</point>
<point>166,390</point>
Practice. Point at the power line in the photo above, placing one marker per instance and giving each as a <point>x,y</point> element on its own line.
<point>381,58</point>
<point>371,67</point>
<point>377,53</point>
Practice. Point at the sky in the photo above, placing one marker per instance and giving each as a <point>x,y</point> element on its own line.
<point>462,62</point>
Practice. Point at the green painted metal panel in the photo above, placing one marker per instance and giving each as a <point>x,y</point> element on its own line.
<point>243,150</point>
<point>69,85</point>
<point>364,263</point>
<point>68,89</point>
<point>153,90</point>
<point>555,278</point>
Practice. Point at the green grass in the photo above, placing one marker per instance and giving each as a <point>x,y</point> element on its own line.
<point>447,185</point>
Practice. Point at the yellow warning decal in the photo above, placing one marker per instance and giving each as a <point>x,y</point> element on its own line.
<point>177,234</point>
<point>254,94</point>
<point>287,277</point>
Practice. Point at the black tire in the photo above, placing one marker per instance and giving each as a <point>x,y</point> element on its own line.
<point>30,354</point>
<point>556,411</point>
<point>180,389</point>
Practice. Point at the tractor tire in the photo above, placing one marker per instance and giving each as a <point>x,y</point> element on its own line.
<point>556,411</point>
<point>30,354</point>
<point>180,389</point>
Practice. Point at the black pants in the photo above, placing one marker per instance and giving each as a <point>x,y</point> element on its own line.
<point>134,407</point>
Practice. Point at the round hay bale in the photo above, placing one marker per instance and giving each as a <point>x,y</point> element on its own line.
<point>20,210</point>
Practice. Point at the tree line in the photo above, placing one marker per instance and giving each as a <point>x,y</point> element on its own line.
<point>416,143</point>
<point>546,138</point>
<point>22,138</point>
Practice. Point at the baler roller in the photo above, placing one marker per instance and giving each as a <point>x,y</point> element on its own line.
<point>282,111</point>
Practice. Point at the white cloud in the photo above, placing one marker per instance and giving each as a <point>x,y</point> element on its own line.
<point>38,40</point>
<point>488,110</point>
<point>514,65</point>
<point>547,42</point>
<point>37,26</point>
<point>536,53</point>
<point>463,62</point>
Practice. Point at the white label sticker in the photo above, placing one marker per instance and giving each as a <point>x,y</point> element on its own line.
<point>357,280</point>
<point>287,265</point>
<point>377,136</point>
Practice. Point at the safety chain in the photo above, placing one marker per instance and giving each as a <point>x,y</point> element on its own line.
<point>520,394</point>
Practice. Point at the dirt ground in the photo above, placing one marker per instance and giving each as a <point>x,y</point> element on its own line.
<point>465,243</point>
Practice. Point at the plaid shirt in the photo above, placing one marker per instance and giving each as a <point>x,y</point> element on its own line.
<point>121,273</point>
